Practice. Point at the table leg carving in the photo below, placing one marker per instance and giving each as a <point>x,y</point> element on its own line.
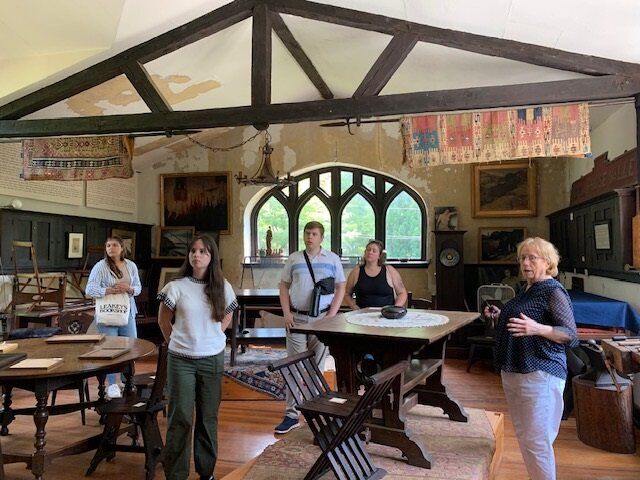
<point>7,413</point>
<point>433,391</point>
<point>40,418</point>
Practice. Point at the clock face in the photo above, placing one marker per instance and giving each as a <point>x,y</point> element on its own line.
<point>449,257</point>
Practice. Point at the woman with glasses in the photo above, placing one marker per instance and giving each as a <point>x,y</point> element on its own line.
<point>374,283</point>
<point>532,332</point>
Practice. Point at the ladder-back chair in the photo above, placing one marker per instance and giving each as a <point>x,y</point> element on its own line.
<point>493,294</point>
<point>143,413</point>
<point>337,419</point>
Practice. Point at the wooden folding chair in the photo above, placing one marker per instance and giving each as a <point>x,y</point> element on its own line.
<point>76,277</point>
<point>336,419</point>
<point>34,288</point>
<point>144,416</point>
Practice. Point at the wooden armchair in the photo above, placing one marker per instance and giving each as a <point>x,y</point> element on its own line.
<point>144,416</point>
<point>336,419</point>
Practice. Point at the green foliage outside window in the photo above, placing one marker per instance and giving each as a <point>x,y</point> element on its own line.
<point>402,221</point>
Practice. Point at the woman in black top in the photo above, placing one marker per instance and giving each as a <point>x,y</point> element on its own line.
<point>374,283</point>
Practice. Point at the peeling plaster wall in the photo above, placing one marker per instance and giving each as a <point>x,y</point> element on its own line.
<point>301,147</point>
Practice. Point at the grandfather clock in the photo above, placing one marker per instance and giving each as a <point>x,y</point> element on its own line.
<point>449,270</point>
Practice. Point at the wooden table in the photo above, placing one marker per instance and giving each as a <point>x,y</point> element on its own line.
<point>422,383</point>
<point>42,383</point>
<point>254,299</point>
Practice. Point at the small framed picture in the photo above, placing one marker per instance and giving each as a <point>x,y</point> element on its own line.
<point>499,244</point>
<point>602,235</point>
<point>173,242</point>
<point>166,275</point>
<point>129,240</point>
<point>446,218</point>
<point>75,247</point>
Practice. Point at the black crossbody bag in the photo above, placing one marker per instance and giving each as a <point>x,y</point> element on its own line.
<point>325,286</point>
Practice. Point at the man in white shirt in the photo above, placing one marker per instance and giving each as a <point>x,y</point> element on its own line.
<point>296,289</point>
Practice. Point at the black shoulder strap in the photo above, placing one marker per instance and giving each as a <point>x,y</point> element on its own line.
<point>306,257</point>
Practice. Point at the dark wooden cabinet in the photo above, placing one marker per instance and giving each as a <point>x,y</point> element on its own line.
<point>595,236</point>
<point>50,233</point>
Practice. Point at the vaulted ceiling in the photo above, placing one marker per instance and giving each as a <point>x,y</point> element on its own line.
<point>130,66</point>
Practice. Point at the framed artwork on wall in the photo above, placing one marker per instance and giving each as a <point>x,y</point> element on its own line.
<point>166,275</point>
<point>602,235</point>
<point>446,218</point>
<point>504,190</point>
<point>75,246</point>
<point>173,242</point>
<point>200,199</point>
<point>498,244</point>
<point>128,239</point>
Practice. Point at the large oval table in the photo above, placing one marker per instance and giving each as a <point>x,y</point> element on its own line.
<point>43,382</point>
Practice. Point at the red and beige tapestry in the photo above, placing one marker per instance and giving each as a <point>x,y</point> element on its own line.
<point>77,158</point>
<point>496,135</point>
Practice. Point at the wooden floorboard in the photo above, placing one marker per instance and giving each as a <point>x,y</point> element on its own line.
<point>246,428</point>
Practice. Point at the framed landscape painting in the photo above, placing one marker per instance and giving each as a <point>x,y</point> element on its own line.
<point>498,244</point>
<point>173,242</point>
<point>200,199</point>
<point>504,190</point>
<point>166,275</point>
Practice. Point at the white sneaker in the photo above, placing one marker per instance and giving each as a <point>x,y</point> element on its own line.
<point>113,391</point>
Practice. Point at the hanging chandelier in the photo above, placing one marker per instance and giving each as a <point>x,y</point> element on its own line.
<point>264,175</point>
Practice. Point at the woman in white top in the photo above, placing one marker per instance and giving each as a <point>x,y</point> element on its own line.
<point>115,274</point>
<point>200,302</point>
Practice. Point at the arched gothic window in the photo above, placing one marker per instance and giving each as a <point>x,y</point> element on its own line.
<point>354,205</point>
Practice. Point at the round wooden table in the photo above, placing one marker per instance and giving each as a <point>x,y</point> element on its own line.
<point>72,369</point>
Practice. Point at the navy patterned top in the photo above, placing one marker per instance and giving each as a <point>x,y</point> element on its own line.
<point>546,302</point>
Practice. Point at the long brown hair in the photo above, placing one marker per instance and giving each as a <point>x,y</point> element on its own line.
<point>214,288</point>
<point>112,265</point>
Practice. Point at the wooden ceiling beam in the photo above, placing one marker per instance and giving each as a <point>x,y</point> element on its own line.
<point>496,47</point>
<point>386,65</point>
<point>104,71</point>
<point>261,57</point>
<point>300,56</point>
<point>502,96</point>
<point>142,82</point>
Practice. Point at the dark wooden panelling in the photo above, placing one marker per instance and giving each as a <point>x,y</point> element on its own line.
<point>49,233</point>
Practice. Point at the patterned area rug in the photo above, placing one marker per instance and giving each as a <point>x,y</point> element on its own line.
<point>461,451</point>
<point>251,370</point>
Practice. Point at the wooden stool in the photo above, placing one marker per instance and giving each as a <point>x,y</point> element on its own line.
<point>604,416</point>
